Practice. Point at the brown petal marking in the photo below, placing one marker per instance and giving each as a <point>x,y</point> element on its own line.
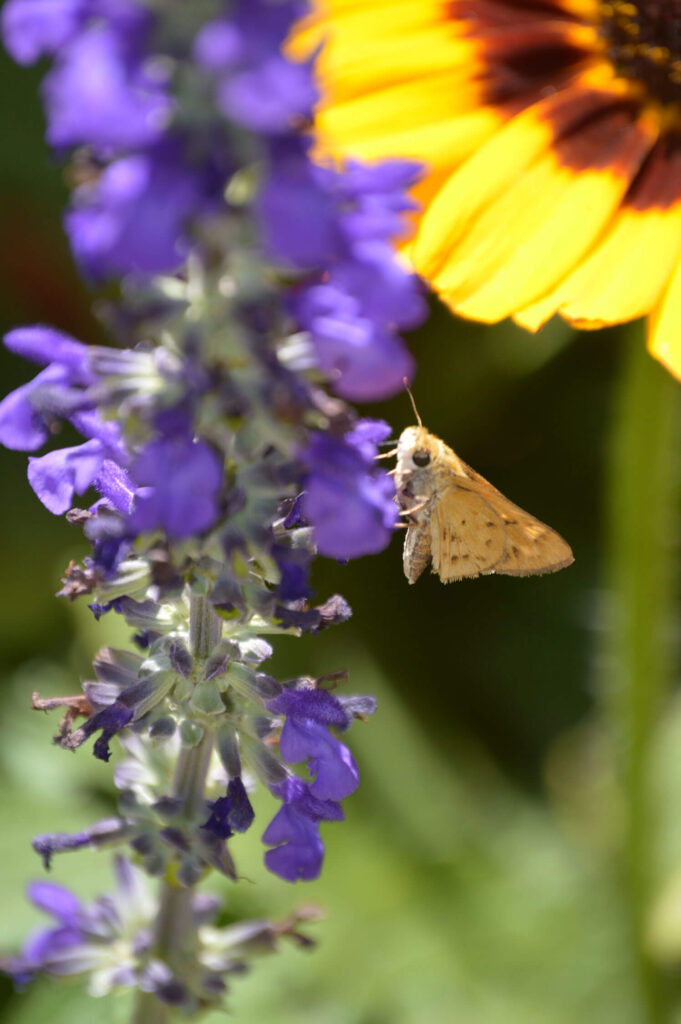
<point>612,139</point>
<point>658,183</point>
<point>515,81</point>
<point>485,14</point>
<point>523,48</point>
<point>521,66</point>
<point>572,107</point>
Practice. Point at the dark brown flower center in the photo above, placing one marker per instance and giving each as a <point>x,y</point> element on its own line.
<point>644,43</point>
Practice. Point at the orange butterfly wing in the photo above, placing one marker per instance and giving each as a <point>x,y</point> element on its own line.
<point>475,531</point>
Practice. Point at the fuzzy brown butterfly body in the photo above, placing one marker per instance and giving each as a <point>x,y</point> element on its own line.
<point>463,524</point>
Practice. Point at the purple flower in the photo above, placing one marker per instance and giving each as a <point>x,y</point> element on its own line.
<point>25,416</point>
<point>28,413</point>
<point>179,483</point>
<point>297,215</point>
<point>305,736</point>
<point>46,345</point>
<point>382,288</point>
<point>54,946</point>
<point>108,722</point>
<point>347,498</point>
<point>78,940</point>
<point>32,28</point>
<point>270,96</point>
<point>131,704</point>
<point>366,435</point>
<point>134,217</point>
<point>249,41</point>
<point>379,198</point>
<point>231,813</point>
<point>364,360</point>
<point>341,222</point>
<point>256,85</point>
<point>294,565</point>
<point>57,476</point>
<point>294,832</point>
<point>113,483</point>
<point>305,704</point>
<point>98,93</point>
<point>103,832</point>
<point>218,45</point>
<point>331,765</point>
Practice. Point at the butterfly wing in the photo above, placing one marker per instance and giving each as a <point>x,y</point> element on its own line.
<point>466,535</point>
<point>475,531</point>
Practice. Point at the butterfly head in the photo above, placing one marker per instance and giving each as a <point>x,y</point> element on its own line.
<point>417,452</point>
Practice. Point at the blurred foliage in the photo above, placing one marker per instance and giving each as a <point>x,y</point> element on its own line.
<point>475,878</point>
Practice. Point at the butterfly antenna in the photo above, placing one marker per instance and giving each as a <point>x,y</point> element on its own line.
<point>411,399</point>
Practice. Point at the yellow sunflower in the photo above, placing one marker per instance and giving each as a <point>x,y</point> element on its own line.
<point>551,132</point>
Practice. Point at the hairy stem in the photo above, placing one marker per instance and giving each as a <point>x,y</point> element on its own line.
<point>175,931</point>
<point>642,509</point>
<point>205,626</point>
<point>148,1010</point>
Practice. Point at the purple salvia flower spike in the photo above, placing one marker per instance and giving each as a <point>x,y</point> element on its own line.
<point>260,291</point>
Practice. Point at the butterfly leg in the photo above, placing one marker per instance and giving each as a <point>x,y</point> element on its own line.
<point>415,508</point>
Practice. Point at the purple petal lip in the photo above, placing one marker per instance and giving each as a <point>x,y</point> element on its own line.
<point>133,218</point>
<point>46,345</point>
<point>32,28</point>
<point>178,483</point>
<point>95,95</point>
<point>57,476</point>
<point>347,498</point>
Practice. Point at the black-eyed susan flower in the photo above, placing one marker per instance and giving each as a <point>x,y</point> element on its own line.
<point>551,132</point>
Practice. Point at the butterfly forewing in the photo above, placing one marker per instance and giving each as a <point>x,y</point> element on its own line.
<point>467,535</point>
<point>475,531</point>
<point>531,547</point>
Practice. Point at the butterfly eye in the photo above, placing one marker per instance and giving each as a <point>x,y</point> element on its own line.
<point>421,458</point>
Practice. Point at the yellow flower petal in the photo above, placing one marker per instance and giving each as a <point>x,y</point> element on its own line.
<point>435,120</point>
<point>408,106</point>
<point>365,43</point>
<point>539,249</point>
<point>478,182</point>
<point>624,276</point>
<point>527,240</point>
<point>354,67</point>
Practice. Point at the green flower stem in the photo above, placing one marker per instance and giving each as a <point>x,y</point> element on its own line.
<point>205,627</point>
<point>175,932</point>
<point>642,522</point>
<point>148,1010</point>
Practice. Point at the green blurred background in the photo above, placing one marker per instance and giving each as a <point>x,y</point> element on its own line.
<point>513,855</point>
